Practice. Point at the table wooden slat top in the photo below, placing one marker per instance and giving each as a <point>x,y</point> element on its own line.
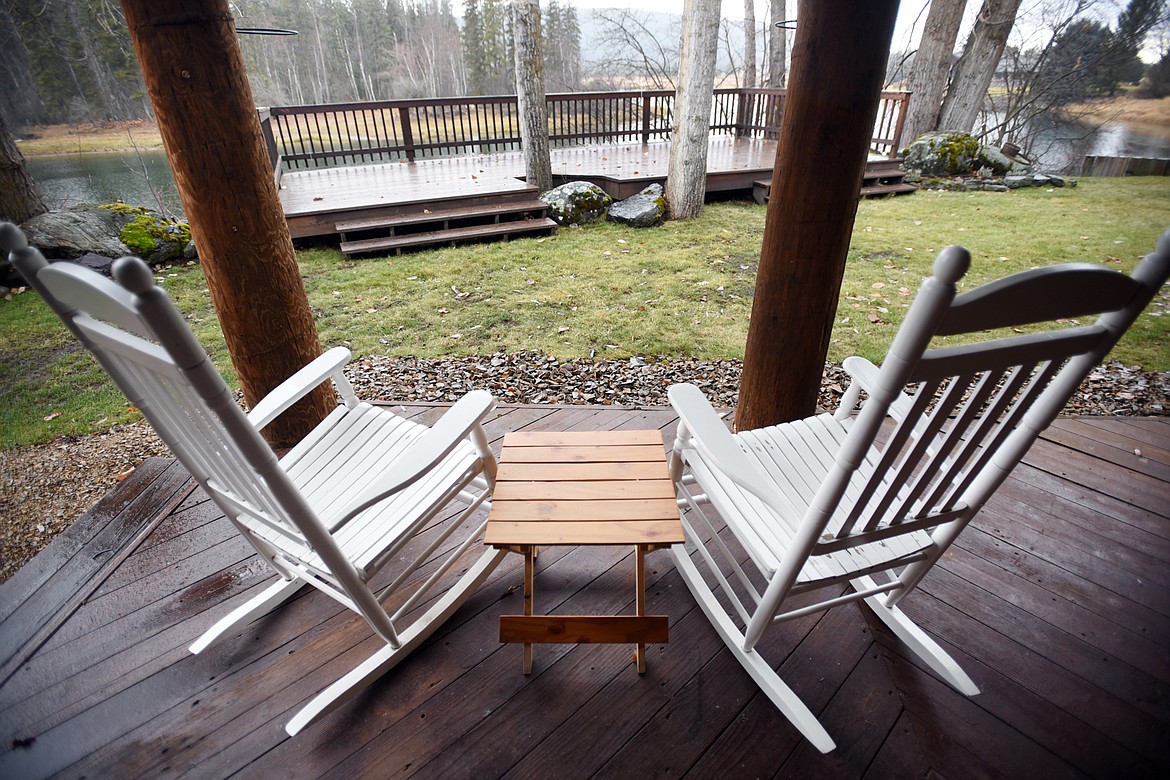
<point>583,487</point>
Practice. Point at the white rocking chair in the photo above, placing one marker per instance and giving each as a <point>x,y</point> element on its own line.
<point>825,501</point>
<point>345,501</point>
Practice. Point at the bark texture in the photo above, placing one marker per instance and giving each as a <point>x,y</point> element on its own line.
<point>838,66</point>
<point>976,66</point>
<point>932,65</point>
<point>190,60</point>
<point>19,199</point>
<point>777,43</point>
<point>749,43</point>
<point>530,92</point>
<point>686,176</point>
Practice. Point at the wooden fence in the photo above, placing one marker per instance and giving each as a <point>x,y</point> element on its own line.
<point>1125,166</point>
<point>354,133</point>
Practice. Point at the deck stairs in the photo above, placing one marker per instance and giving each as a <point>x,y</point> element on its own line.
<point>881,178</point>
<point>447,223</point>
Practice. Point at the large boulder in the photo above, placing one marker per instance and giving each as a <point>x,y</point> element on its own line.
<point>646,209</point>
<point>111,230</point>
<point>954,154</point>
<point>576,203</point>
<point>76,231</point>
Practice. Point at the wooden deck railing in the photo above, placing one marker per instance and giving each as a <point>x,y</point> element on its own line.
<point>353,133</point>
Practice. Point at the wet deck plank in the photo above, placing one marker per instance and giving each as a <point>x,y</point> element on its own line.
<point>1056,601</point>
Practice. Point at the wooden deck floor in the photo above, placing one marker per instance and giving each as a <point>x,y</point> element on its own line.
<point>622,169</point>
<point>1056,601</point>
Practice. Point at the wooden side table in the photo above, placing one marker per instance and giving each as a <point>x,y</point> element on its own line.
<point>595,487</point>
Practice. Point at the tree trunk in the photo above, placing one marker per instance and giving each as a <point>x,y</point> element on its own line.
<point>20,101</point>
<point>976,66</point>
<point>686,174</point>
<point>777,43</point>
<point>932,65</point>
<point>749,43</point>
<point>530,93</point>
<point>194,72</point>
<point>838,66</point>
<point>19,199</point>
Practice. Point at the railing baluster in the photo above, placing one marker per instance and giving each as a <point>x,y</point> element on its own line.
<point>484,124</point>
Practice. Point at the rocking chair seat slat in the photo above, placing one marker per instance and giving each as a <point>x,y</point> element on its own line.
<point>772,534</point>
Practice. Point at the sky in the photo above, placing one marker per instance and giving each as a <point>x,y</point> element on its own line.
<point>911,16</point>
<point>733,9</point>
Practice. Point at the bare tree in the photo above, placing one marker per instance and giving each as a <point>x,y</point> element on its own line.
<point>633,52</point>
<point>530,92</point>
<point>19,199</point>
<point>686,176</point>
<point>749,43</point>
<point>932,65</point>
<point>777,42</point>
<point>976,66</point>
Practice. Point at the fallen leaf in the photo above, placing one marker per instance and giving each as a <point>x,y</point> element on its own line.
<point>52,416</point>
<point>878,285</point>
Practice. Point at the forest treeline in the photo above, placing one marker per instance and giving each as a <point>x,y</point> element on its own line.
<point>72,60</point>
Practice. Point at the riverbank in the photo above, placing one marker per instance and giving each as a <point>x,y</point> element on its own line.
<point>123,136</point>
<point>1150,117</point>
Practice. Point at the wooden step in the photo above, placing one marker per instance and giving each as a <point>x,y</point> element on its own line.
<point>448,236</point>
<point>878,190</point>
<point>486,212</point>
<point>762,190</point>
<point>884,173</point>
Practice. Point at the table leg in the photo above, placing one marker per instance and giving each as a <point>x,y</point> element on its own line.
<point>529,577</point>
<point>640,602</point>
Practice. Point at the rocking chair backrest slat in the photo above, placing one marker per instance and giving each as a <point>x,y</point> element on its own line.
<point>967,402</point>
<point>185,422</point>
<point>143,343</point>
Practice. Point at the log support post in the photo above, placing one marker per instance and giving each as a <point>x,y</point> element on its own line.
<point>194,73</point>
<point>838,67</point>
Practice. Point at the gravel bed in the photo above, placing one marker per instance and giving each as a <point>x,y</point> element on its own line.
<point>44,488</point>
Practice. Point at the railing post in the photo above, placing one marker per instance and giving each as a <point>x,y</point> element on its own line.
<point>265,115</point>
<point>900,125</point>
<point>741,112</point>
<point>645,118</point>
<point>407,134</point>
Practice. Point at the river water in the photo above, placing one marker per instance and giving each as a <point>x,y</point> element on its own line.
<point>144,178</point>
<point>139,179</point>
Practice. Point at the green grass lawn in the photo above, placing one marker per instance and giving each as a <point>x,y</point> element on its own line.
<point>681,290</point>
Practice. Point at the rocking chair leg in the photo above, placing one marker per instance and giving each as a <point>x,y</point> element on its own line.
<point>939,661</point>
<point>271,597</point>
<point>352,684</point>
<point>770,683</point>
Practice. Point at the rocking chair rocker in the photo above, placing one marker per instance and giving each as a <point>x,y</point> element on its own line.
<point>346,501</point>
<point>843,499</point>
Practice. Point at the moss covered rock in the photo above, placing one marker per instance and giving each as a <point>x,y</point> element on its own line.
<point>576,203</point>
<point>154,238</point>
<point>646,209</point>
<point>110,230</point>
<point>953,154</point>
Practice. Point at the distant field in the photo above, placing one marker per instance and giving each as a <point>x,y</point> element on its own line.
<point>79,139</point>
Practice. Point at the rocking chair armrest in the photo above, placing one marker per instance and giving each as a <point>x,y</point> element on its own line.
<point>297,386</point>
<point>456,425</point>
<point>718,447</point>
<point>865,377</point>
